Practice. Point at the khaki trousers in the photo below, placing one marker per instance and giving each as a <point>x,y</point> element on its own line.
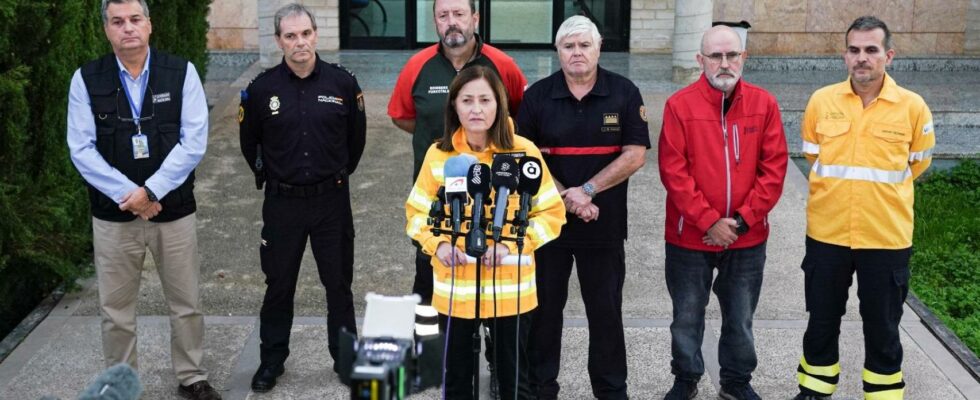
<point>120,249</point>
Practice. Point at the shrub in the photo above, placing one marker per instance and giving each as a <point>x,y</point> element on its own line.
<point>946,260</point>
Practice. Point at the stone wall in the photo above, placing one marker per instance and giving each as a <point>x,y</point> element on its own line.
<point>651,26</point>
<point>972,42</point>
<point>233,25</point>
<point>794,27</point>
<point>779,27</point>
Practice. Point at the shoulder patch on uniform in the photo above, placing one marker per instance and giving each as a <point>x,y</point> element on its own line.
<point>259,76</point>
<point>343,68</point>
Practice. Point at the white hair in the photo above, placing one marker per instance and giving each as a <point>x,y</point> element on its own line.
<point>575,25</point>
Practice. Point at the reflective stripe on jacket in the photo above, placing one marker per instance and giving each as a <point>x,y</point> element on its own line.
<point>863,163</point>
<point>546,218</point>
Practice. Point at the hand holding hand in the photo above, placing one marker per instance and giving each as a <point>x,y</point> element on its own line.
<point>722,233</point>
<point>575,199</point>
<point>588,213</point>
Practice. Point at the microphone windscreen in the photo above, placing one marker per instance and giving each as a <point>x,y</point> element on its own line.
<point>454,173</point>
<point>458,165</point>
<point>530,180</point>
<point>119,382</point>
<point>504,172</point>
<point>478,180</point>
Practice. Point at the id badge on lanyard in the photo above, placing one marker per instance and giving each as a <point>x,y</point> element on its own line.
<point>141,144</point>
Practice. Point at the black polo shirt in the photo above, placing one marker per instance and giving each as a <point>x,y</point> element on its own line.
<point>578,138</point>
<point>310,129</point>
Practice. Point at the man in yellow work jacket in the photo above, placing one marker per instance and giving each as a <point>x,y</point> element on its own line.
<point>867,139</point>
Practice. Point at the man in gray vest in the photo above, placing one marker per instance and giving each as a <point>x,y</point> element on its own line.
<point>137,128</point>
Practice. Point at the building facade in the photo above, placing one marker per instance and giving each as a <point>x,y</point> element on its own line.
<point>779,27</point>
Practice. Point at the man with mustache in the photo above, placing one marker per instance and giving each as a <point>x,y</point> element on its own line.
<point>303,130</point>
<point>722,160</point>
<point>867,139</point>
<point>418,103</point>
<point>137,129</point>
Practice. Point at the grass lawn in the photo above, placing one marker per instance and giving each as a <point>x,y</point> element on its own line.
<point>946,258</point>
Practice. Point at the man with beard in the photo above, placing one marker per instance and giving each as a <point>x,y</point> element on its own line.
<point>418,103</point>
<point>722,160</point>
<point>868,139</point>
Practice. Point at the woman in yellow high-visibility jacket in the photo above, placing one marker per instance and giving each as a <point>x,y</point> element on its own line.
<point>478,123</point>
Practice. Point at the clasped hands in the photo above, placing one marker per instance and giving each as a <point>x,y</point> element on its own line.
<point>446,253</point>
<point>580,204</point>
<point>137,202</point>
<point>722,233</point>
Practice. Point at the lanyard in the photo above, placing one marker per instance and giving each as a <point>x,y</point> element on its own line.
<point>136,109</point>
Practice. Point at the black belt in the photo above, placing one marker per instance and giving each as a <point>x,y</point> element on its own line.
<point>338,181</point>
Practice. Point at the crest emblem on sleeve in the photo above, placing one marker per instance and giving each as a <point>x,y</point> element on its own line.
<point>643,113</point>
<point>241,114</point>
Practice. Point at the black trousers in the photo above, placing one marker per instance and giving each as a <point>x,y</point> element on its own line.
<point>883,284</point>
<point>288,222</point>
<point>423,274</point>
<point>601,272</point>
<point>509,360</point>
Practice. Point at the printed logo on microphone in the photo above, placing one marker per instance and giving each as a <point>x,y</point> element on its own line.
<point>505,167</point>
<point>531,169</point>
<point>477,176</point>
<point>456,184</point>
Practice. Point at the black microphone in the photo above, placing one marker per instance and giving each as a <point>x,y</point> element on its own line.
<point>527,186</point>
<point>478,185</point>
<point>436,213</point>
<point>505,178</point>
<point>454,175</point>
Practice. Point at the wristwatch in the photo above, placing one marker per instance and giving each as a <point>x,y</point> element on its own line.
<point>589,189</point>
<point>150,195</point>
<point>740,226</point>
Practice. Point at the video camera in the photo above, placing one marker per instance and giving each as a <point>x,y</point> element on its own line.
<point>390,361</point>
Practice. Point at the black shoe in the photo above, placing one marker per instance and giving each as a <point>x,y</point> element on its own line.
<point>802,396</point>
<point>265,378</point>
<point>682,390</point>
<point>200,390</point>
<point>740,391</point>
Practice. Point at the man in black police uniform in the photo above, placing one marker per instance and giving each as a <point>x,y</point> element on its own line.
<point>302,132</point>
<point>591,127</point>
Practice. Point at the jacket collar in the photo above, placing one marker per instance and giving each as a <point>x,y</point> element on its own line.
<point>889,89</point>
<point>288,72</point>
<point>712,95</point>
<point>601,87</point>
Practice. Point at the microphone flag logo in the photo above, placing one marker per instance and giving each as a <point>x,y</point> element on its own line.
<point>531,169</point>
<point>456,184</point>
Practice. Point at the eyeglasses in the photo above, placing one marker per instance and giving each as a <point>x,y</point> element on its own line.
<point>119,102</point>
<point>730,56</point>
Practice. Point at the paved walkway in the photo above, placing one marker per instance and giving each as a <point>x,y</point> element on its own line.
<point>64,352</point>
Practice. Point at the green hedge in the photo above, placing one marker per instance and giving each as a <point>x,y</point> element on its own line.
<point>45,232</point>
<point>946,260</point>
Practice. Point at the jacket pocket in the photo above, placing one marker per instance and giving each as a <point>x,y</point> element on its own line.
<point>891,145</point>
<point>832,129</point>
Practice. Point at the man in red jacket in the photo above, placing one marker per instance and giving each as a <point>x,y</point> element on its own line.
<point>722,160</point>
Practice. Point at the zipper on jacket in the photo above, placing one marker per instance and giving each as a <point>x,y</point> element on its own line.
<point>738,146</point>
<point>728,166</point>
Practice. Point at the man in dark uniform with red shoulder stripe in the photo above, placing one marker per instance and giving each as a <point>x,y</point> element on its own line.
<point>591,127</point>
<point>418,103</point>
